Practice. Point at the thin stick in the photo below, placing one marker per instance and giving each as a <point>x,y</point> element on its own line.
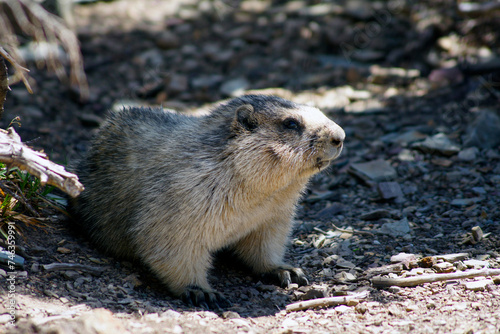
<point>414,281</point>
<point>325,302</point>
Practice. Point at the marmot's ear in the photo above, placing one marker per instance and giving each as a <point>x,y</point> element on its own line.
<point>245,116</point>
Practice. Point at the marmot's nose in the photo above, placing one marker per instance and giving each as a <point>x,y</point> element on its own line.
<point>337,136</point>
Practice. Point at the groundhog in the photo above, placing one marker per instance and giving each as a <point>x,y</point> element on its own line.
<point>169,190</point>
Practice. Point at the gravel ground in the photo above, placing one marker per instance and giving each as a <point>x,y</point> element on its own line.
<point>415,192</point>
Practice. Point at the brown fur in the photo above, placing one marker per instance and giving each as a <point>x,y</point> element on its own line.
<point>170,190</point>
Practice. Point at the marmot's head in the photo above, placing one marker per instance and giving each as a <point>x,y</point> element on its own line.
<point>281,139</point>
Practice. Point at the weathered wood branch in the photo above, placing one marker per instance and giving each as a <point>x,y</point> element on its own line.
<point>73,266</point>
<point>14,153</point>
<point>429,278</point>
<point>325,302</point>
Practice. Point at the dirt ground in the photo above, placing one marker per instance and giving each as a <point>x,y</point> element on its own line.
<point>415,85</point>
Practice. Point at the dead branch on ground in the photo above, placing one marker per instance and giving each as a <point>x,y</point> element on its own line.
<point>14,153</point>
<point>325,302</point>
<point>429,278</point>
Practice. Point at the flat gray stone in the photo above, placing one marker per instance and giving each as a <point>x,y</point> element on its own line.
<point>465,201</point>
<point>484,132</point>
<point>438,144</point>
<point>404,138</point>
<point>389,190</point>
<point>376,170</point>
<point>468,154</point>
<point>478,285</point>
<point>396,229</point>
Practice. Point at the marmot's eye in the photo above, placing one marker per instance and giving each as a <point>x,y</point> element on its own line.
<point>291,124</point>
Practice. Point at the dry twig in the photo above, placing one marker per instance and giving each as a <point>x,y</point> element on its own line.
<point>421,279</point>
<point>325,302</point>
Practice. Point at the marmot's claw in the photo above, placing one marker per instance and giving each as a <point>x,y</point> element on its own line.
<point>289,275</point>
<point>196,296</point>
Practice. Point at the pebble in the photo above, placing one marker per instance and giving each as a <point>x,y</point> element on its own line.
<point>376,170</point>
<point>465,201</point>
<point>478,285</point>
<point>476,264</point>
<point>395,229</point>
<point>468,154</point>
<point>404,138</point>
<point>438,144</point>
<point>403,257</point>
<point>376,214</point>
<point>313,292</point>
<point>389,190</point>
<point>483,131</point>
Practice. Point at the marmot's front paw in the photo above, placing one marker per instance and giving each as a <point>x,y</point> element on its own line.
<point>196,296</point>
<point>287,275</point>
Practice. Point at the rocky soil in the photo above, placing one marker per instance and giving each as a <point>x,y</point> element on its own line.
<point>416,86</point>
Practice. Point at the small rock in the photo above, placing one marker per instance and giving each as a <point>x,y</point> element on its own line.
<point>403,257</point>
<point>444,267</point>
<point>453,257</point>
<point>361,308</point>
<point>376,214</point>
<point>483,131</point>
<point>341,263</point>
<point>376,170</point>
<point>479,190</point>
<point>395,229</point>
<point>476,264</point>
<point>289,322</point>
<point>478,285</point>
<point>438,144</point>
<point>171,314</point>
<point>468,154</point>
<point>71,274</point>
<point>427,262</point>
<point>63,250</point>
<point>404,138</point>
<point>230,315</point>
<point>342,309</point>
<point>389,190</point>
<point>344,276</point>
<point>35,267</point>
<point>477,233</point>
<point>465,201</point>
<point>313,292</point>
<point>235,87</point>
<point>330,211</point>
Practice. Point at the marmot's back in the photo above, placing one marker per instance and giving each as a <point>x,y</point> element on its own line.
<point>171,189</point>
